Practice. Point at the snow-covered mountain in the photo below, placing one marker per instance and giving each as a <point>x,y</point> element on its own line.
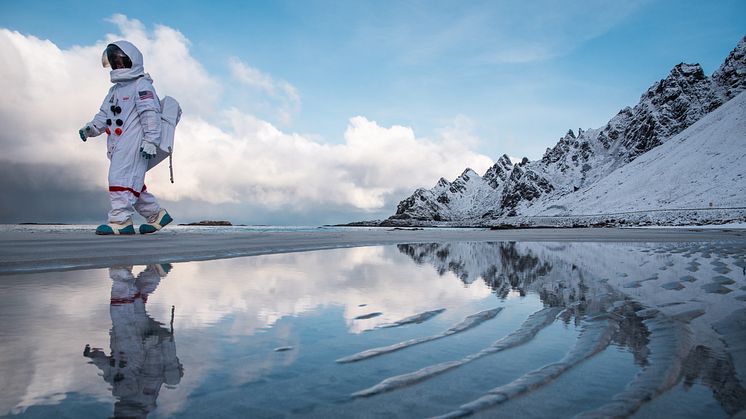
<point>702,166</point>
<point>583,171</point>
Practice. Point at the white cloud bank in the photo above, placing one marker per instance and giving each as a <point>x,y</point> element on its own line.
<point>222,155</point>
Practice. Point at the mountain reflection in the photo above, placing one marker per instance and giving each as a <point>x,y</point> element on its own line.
<point>143,350</point>
<point>641,290</point>
<point>499,265</point>
<point>506,267</point>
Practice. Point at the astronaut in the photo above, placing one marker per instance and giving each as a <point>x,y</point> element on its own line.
<point>130,117</point>
<point>143,351</point>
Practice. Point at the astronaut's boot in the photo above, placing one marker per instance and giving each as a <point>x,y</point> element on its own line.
<point>163,269</point>
<point>123,228</point>
<point>156,222</point>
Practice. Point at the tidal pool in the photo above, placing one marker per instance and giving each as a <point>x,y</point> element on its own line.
<point>505,329</point>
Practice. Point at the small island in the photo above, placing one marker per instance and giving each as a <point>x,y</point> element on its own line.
<point>209,223</point>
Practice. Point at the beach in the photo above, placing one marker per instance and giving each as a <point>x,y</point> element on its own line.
<point>39,249</point>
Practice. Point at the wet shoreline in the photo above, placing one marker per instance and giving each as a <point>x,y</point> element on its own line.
<point>44,251</point>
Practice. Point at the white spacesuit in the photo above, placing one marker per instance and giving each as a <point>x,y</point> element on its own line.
<point>130,116</point>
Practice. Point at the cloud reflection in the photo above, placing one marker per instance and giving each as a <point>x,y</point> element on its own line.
<point>258,291</point>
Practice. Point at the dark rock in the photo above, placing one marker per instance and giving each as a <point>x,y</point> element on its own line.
<point>523,185</point>
<point>730,76</point>
<point>496,175</point>
<point>208,223</point>
<point>368,316</point>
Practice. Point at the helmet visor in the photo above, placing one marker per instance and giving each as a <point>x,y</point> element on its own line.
<point>115,58</point>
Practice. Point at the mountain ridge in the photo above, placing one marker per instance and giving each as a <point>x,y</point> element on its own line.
<point>578,161</point>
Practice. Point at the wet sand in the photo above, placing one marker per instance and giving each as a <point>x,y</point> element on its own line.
<point>27,251</point>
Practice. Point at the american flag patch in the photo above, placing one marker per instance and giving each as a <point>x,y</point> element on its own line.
<point>147,94</point>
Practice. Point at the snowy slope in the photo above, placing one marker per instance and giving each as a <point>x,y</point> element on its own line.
<point>705,163</point>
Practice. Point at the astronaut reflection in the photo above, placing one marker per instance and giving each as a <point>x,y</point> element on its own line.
<point>143,351</point>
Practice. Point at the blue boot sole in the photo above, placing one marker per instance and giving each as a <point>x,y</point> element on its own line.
<point>106,230</point>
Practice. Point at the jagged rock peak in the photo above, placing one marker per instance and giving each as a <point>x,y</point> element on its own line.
<point>524,184</point>
<point>498,173</point>
<point>665,109</point>
<point>563,147</point>
<point>418,206</point>
<point>681,78</point>
<point>731,76</point>
<point>694,70</point>
<point>443,183</point>
<point>468,174</point>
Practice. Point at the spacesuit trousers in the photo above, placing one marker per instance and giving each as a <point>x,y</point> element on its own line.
<point>125,202</point>
<point>127,191</point>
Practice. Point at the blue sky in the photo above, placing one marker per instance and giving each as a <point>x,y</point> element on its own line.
<point>507,76</point>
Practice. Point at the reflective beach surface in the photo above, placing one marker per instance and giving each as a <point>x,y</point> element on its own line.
<point>505,329</point>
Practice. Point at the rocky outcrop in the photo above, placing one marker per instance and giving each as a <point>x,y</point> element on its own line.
<point>524,184</point>
<point>496,175</point>
<point>731,76</point>
<point>451,201</point>
<point>421,205</point>
<point>211,223</point>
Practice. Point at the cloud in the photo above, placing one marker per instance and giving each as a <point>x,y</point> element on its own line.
<point>49,193</point>
<point>253,161</point>
<point>280,91</point>
<point>223,155</point>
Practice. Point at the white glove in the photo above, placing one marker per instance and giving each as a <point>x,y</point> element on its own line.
<point>88,131</point>
<point>148,150</point>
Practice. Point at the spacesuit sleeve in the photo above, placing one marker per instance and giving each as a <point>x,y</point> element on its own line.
<point>149,109</point>
<point>99,359</point>
<point>99,120</point>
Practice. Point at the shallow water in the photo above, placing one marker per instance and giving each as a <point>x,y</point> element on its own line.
<point>421,330</point>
